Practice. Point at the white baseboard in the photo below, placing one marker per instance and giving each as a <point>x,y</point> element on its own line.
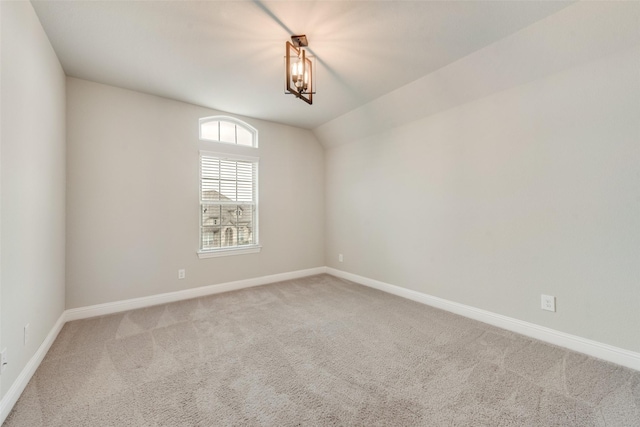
<point>18,386</point>
<point>592,348</point>
<point>132,304</point>
<point>602,351</point>
<point>13,394</point>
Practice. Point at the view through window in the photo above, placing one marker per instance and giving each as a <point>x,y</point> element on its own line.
<point>227,202</point>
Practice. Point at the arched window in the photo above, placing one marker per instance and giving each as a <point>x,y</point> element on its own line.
<point>228,130</point>
<point>228,237</point>
<point>228,188</point>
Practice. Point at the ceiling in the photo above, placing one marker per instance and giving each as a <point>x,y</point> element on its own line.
<point>228,55</point>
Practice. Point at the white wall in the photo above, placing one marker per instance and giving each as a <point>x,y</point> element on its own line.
<point>33,186</point>
<point>132,198</point>
<point>534,189</point>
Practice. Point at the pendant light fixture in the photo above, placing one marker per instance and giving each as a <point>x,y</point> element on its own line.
<point>299,69</point>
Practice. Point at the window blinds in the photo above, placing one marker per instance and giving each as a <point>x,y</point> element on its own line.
<point>228,201</point>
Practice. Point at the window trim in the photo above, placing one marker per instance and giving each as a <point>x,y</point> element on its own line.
<point>230,250</point>
<point>215,253</point>
<point>237,122</point>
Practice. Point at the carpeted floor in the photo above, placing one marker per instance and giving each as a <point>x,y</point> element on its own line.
<point>315,351</point>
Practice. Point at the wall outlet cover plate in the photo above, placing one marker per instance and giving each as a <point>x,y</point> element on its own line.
<point>548,302</point>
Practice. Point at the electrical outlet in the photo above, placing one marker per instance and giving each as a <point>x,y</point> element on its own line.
<point>340,258</point>
<point>548,302</point>
<point>26,334</point>
<point>3,360</point>
<point>181,273</point>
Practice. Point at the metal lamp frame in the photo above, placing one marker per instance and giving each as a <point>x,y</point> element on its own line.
<point>307,67</point>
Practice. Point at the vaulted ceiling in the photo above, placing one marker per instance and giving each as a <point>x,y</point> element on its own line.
<point>228,55</point>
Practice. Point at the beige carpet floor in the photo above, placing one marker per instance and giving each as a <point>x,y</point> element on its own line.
<point>318,351</point>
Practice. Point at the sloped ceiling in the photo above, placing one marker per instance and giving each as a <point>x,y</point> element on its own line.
<point>228,55</point>
<point>576,35</point>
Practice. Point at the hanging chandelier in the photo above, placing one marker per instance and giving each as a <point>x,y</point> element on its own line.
<point>299,69</point>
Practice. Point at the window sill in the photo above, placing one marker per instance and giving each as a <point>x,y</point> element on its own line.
<point>229,251</point>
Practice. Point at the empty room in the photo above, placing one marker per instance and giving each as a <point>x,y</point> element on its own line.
<point>319,213</point>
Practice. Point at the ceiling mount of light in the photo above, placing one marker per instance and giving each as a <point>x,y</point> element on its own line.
<point>299,69</point>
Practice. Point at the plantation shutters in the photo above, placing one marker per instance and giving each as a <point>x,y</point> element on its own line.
<point>228,201</point>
